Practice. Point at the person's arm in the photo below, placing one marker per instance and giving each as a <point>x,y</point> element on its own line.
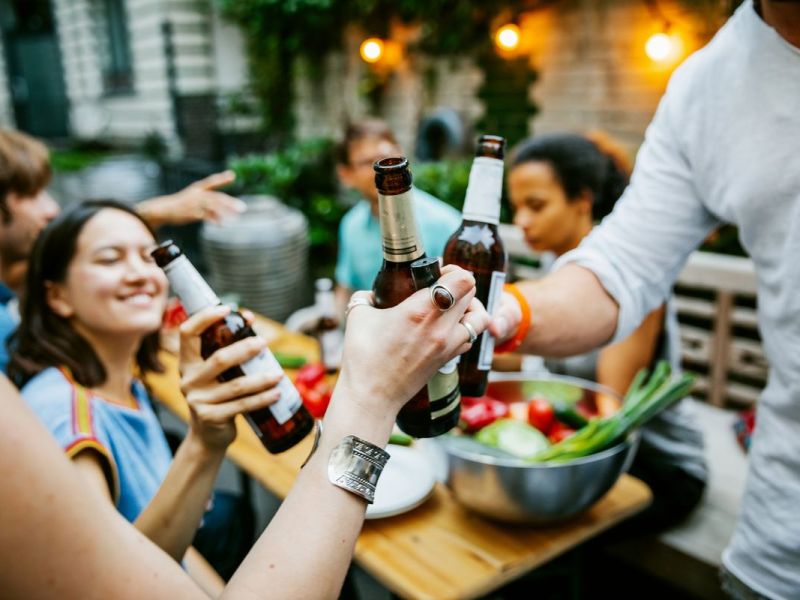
<point>54,537</point>
<point>618,363</point>
<point>196,202</point>
<point>315,529</point>
<point>203,573</point>
<point>627,265</point>
<point>57,540</point>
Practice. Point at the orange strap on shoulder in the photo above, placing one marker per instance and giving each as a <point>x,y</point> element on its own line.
<point>514,342</point>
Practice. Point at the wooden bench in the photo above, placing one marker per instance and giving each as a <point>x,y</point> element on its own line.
<point>715,298</point>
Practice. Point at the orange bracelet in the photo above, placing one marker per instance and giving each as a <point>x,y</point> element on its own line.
<point>514,342</point>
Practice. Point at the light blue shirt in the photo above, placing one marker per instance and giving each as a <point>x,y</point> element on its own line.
<point>723,147</point>
<point>130,439</point>
<point>360,247</point>
<point>7,324</point>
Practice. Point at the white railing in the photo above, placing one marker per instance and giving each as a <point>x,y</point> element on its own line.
<point>719,331</point>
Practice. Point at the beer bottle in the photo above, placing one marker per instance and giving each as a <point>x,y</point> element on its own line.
<point>443,387</point>
<point>280,425</point>
<point>327,330</point>
<point>394,283</point>
<point>476,246</point>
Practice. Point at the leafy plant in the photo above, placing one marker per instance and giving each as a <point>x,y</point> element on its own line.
<point>302,176</point>
<point>279,31</point>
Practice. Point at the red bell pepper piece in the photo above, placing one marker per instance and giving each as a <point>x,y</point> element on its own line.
<point>313,388</point>
<point>477,413</point>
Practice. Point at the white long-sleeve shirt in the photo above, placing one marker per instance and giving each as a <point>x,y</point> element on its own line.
<point>724,146</point>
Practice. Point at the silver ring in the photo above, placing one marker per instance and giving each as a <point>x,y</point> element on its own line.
<point>356,302</point>
<point>442,297</point>
<point>470,331</point>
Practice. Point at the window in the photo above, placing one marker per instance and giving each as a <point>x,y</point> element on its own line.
<point>112,33</point>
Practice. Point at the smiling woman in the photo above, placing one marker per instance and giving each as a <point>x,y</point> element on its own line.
<point>94,304</point>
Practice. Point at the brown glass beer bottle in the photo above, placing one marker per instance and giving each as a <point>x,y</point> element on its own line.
<point>443,388</point>
<point>280,425</point>
<point>476,246</point>
<point>394,283</point>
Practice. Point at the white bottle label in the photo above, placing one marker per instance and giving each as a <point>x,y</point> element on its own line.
<point>482,202</point>
<point>487,340</point>
<point>189,285</point>
<point>289,401</point>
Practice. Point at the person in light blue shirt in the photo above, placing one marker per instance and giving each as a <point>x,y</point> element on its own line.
<point>360,255</point>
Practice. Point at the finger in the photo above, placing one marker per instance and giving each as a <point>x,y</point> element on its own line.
<point>448,269</point>
<point>219,206</point>
<point>458,281</point>
<point>221,413</point>
<point>361,298</point>
<point>240,387</point>
<point>229,357</point>
<point>199,322</point>
<point>478,320</point>
<point>217,180</point>
<point>248,315</point>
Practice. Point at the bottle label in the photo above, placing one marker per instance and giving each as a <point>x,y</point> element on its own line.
<point>487,340</point>
<point>401,241</point>
<point>482,202</point>
<point>443,390</point>
<point>331,343</point>
<point>289,402</point>
<point>189,285</point>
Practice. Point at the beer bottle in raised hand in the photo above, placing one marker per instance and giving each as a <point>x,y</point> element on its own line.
<point>443,388</point>
<point>476,246</point>
<point>394,283</point>
<point>280,425</point>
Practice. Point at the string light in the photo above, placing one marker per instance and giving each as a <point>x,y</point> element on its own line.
<point>371,50</point>
<point>659,47</point>
<point>507,37</point>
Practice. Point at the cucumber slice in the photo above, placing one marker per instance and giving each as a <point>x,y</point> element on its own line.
<point>514,437</point>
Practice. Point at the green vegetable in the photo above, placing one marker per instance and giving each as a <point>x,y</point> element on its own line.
<point>289,361</point>
<point>400,439</point>
<point>643,401</point>
<point>567,414</point>
<point>514,437</point>
<point>553,391</point>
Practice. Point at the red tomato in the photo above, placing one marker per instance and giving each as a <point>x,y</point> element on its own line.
<point>477,413</point>
<point>540,414</point>
<point>559,432</point>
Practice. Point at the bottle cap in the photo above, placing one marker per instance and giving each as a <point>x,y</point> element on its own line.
<point>425,272</point>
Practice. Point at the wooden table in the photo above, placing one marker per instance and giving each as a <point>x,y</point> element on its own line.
<point>438,550</point>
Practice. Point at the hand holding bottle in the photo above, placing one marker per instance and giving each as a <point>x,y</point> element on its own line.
<point>213,405</point>
<point>390,354</point>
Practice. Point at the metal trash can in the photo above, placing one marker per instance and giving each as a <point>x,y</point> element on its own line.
<point>261,256</point>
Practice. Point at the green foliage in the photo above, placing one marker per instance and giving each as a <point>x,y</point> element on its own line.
<point>302,176</point>
<point>66,161</point>
<point>278,31</point>
<point>447,180</point>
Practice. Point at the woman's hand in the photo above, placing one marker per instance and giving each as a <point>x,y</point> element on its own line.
<point>213,405</point>
<point>390,354</point>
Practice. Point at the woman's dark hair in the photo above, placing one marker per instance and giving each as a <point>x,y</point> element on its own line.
<point>45,339</point>
<point>592,162</point>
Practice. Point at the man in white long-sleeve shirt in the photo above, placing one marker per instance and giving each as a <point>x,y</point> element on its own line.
<point>723,147</point>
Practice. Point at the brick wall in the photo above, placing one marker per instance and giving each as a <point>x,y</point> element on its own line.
<point>593,70</point>
<point>6,110</point>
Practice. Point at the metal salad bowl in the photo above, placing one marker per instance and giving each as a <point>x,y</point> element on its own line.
<point>506,488</point>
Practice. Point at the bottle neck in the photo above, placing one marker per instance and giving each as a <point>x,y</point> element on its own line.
<point>401,240</point>
<point>184,279</point>
<point>482,202</point>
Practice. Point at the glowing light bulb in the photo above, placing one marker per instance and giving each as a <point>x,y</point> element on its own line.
<point>660,47</point>
<point>507,37</point>
<point>371,50</point>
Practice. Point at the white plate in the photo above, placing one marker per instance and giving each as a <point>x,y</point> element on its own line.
<point>406,482</point>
